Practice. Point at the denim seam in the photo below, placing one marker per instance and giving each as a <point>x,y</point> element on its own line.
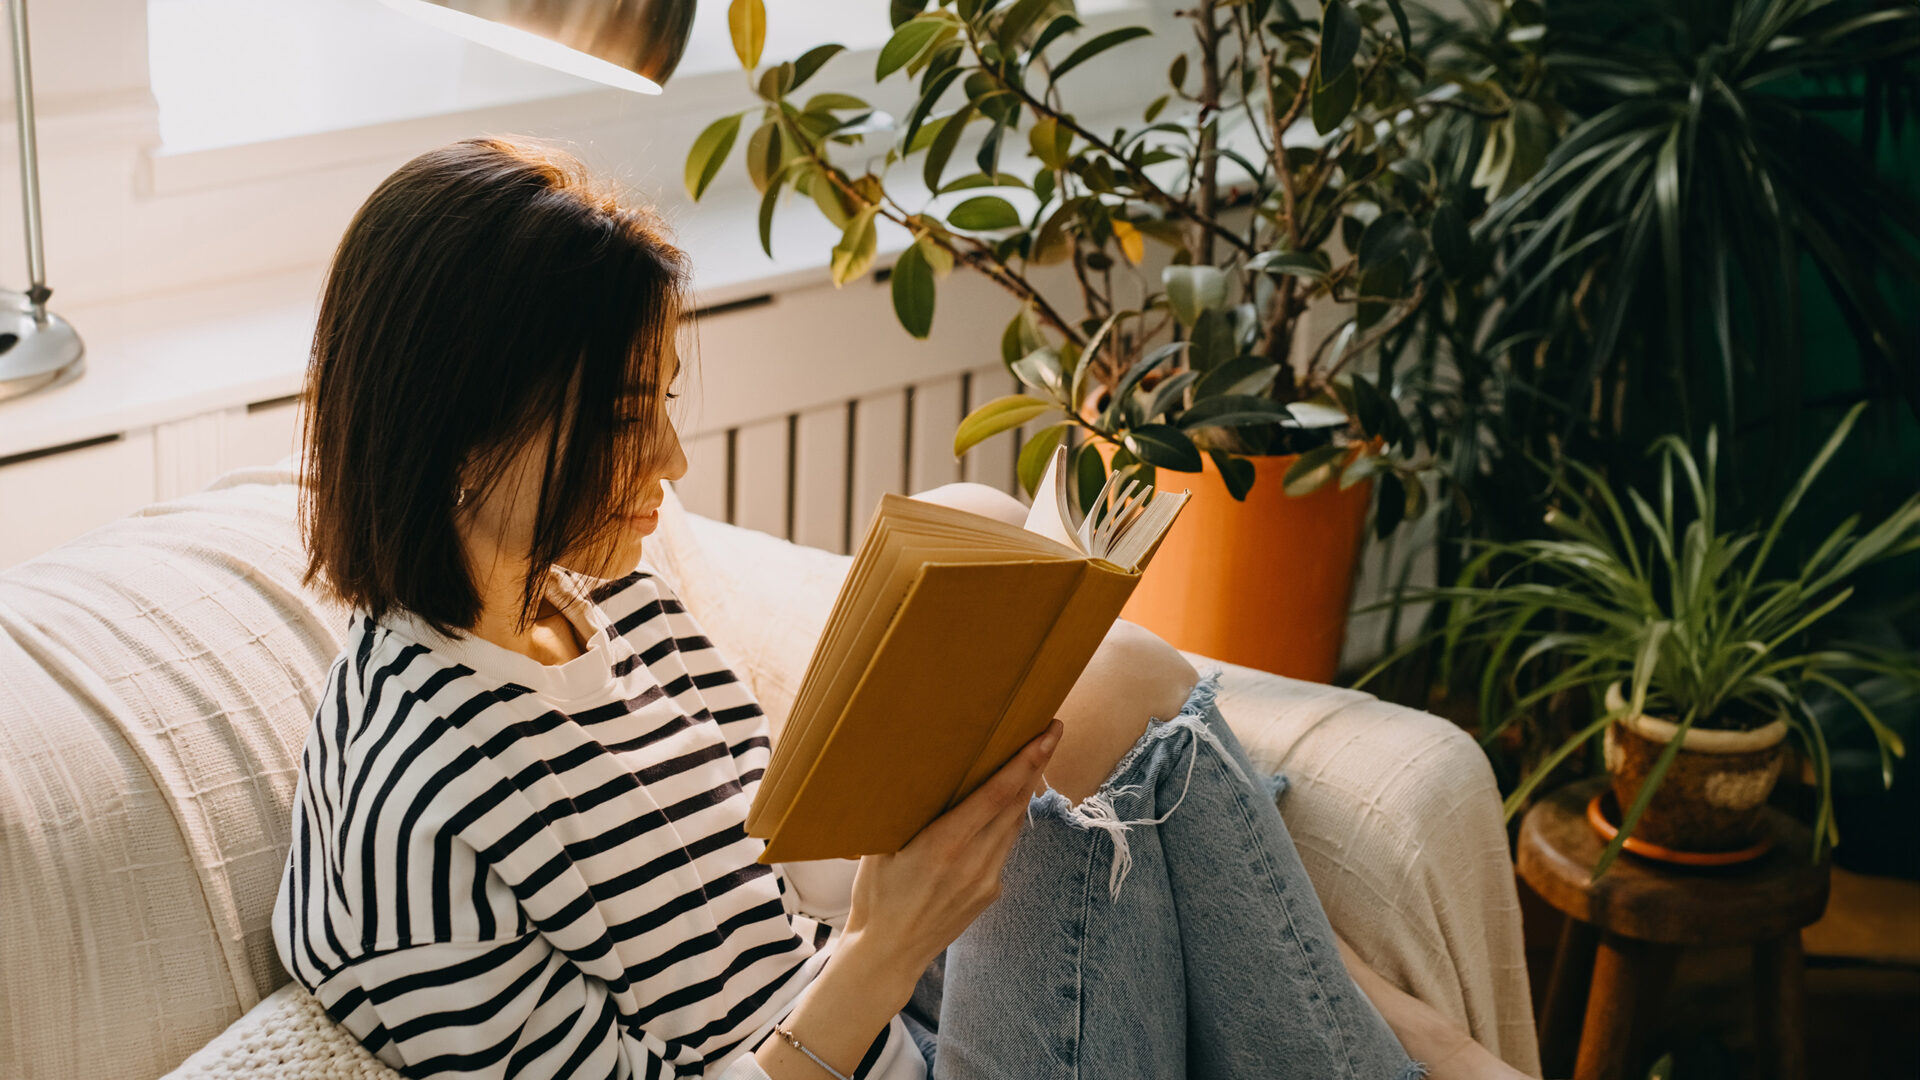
<point>1080,961</point>
<point>1293,930</point>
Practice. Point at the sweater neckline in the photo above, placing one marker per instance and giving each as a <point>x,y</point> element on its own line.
<point>583,677</point>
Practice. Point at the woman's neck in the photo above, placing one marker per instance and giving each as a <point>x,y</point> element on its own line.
<point>549,639</point>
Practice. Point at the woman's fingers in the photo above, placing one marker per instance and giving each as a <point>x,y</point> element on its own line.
<point>1008,787</point>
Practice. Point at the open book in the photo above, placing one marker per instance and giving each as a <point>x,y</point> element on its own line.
<point>951,644</point>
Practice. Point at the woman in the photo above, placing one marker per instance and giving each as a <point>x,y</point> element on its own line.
<point>518,842</point>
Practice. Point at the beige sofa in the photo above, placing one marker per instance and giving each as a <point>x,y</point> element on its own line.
<point>157,676</point>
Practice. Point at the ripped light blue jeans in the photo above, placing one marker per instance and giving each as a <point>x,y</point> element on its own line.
<point>1163,928</point>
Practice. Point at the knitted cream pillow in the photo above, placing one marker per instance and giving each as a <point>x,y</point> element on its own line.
<point>288,1036</point>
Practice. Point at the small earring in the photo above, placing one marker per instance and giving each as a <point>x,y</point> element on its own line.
<point>459,497</point>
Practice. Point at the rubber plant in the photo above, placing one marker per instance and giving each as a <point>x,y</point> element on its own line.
<point>1273,172</point>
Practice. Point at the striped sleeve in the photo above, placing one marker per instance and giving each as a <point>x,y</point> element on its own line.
<point>497,1009</point>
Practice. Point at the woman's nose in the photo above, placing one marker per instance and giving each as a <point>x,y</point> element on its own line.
<point>678,467</point>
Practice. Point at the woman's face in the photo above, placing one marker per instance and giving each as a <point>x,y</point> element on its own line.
<point>499,527</point>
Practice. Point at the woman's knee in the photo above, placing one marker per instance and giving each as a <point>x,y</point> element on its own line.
<point>1133,676</point>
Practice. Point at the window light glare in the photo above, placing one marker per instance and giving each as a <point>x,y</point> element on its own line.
<point>526,45</point>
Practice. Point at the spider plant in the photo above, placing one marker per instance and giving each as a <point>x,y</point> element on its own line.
<point>1655,596</point>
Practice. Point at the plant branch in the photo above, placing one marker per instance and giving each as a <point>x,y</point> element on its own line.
<point>1208,149</point>
<point>1151,191</point>
<point>1375,335</point>
<point>975,254</point>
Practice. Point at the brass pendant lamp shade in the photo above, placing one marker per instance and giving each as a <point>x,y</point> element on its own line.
<point>631,44</point>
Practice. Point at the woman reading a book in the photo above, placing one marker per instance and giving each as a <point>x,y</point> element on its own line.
<point>518,844</point>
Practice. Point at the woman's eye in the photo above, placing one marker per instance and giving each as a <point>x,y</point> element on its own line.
<point>671,395</point>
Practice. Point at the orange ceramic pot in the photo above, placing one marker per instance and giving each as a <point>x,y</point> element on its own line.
<point>1266,582</point>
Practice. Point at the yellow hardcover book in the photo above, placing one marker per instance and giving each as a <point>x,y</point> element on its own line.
<point>951,644</point>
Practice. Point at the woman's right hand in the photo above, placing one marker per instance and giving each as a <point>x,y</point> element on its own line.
<point>910,905</point>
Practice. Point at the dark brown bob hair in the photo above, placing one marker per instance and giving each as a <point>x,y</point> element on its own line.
<point>488,292</point>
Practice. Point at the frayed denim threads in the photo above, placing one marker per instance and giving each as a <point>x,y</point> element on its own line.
<point>1097,811</point>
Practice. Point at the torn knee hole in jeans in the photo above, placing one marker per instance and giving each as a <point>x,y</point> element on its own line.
<point>1097,810</point>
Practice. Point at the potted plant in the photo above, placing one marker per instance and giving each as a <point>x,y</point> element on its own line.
<point>1698,652</point>
<point>1683,213</point>
<point>1200,366</point>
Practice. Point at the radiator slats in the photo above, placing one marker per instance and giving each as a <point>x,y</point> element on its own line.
<point>820,478</point>
<point>760,476</point>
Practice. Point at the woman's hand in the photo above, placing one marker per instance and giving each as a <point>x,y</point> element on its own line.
<point>911,904</point>
<point>908,906</point>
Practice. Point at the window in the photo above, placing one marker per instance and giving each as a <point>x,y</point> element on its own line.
<point>230,72</point>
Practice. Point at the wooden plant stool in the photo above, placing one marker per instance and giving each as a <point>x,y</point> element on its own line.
<point>1624,932</point>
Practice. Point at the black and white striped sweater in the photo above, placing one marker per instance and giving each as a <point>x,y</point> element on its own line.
<point>501,868</point>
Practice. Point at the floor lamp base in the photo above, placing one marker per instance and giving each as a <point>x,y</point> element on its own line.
<point>34,353</point>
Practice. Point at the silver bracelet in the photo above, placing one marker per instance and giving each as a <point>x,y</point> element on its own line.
<point>794,1041</point>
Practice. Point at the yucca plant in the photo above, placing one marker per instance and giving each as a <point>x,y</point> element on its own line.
<point>1650,263</point>
<point>1654,596</point>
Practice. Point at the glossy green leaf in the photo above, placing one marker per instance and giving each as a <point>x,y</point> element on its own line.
<point>1400,21</point>
<point>775,82</point>
<point>996,416</point>
<point>1040,370</point>
<point>913,291</point>
<point>982,180</point>
<point>1236,472</point>
<point>1213,341</point>
<point>1380,285</point>
<point>1131,378</point>
<point>1313,469</point>
<point>1234,410</point>
<point>834,203</point>
<point>769,199</point>
<point>1021,336</point>
<point>1194,289</point>
<point>908,42</point>
<point>1089,475</point>
<point>710,152</point>
<point>943,144</point>
<point>832,101</point>
<point>1332,103</point>
<point>984,213</point>
<point>1096,46</point>
<point>1164,445</point>
<point>811,60</point>
<point>924,107</point>
<point>1249,374</point>
<point>1169,394</point>
<point>1313,265</point>
<point>1339,40</point>
<point>747,24</point>
<point>765,155</point>
<point>1018,20</point>
<point>1051,142</point>
<point>1061,24</point>
<point>855,251</point>
<point>1036,452</point>
<point>1388,236</point>
<point>899,11</point>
